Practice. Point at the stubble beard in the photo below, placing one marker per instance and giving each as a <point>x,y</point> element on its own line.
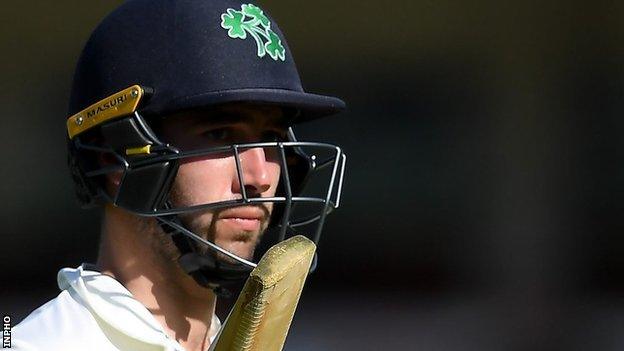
<point>241,243</point>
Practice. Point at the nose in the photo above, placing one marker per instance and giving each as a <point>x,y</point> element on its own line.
<point>256,172</point>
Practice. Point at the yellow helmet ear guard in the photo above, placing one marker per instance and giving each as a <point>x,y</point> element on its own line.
<point>113,126</point>
<point>120,104</point>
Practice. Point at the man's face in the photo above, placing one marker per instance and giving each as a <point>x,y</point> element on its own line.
<point>213,178</point>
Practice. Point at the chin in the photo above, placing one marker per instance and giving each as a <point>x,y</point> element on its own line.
<point>243,249</point>
<point>240,242</point>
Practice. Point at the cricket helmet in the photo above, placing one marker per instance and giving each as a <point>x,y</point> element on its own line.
<point>150,59</point>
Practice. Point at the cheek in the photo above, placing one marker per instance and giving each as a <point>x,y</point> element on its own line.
<point>274,174</point>
<point>204,181</point>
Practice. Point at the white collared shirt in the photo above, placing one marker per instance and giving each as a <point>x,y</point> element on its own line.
<point>94,312</point>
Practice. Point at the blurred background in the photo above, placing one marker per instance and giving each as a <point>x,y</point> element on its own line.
<point>483,206</point>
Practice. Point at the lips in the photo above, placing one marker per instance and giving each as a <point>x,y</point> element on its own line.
<point>243,213</point>
<point>245,218</point>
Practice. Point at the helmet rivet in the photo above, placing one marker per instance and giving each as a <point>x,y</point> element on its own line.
<point>135,93</point>
<point>79,120</point>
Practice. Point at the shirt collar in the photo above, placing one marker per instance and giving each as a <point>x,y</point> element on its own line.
<point>111,303</point>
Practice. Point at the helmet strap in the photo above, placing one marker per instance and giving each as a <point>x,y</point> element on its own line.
<point>206,269</point>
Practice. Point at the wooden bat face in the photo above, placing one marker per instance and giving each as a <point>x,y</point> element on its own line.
<point>264,310</point>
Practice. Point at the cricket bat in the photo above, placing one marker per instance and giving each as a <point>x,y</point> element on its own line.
<point>263,312</point>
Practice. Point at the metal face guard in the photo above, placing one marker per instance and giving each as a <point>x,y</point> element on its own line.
<point>146,168</point>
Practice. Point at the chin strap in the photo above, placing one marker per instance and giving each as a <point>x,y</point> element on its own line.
<point>209,271</point>
<point>206,269</point>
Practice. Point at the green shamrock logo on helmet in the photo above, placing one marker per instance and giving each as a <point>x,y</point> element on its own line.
<point>252,21</point>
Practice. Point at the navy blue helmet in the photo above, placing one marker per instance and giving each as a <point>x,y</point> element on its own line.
<point>151,59</point>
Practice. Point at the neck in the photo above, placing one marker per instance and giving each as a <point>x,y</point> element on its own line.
<point>142,258</point>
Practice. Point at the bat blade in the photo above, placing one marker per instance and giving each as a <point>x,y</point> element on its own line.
<point>264,310</point>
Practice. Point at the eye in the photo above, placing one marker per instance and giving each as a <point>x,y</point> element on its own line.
<point>274,135</point>
<point>217,134</point>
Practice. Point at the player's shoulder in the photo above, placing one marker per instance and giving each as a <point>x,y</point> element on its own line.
<point>62,323</point>
<point>53,312</point>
